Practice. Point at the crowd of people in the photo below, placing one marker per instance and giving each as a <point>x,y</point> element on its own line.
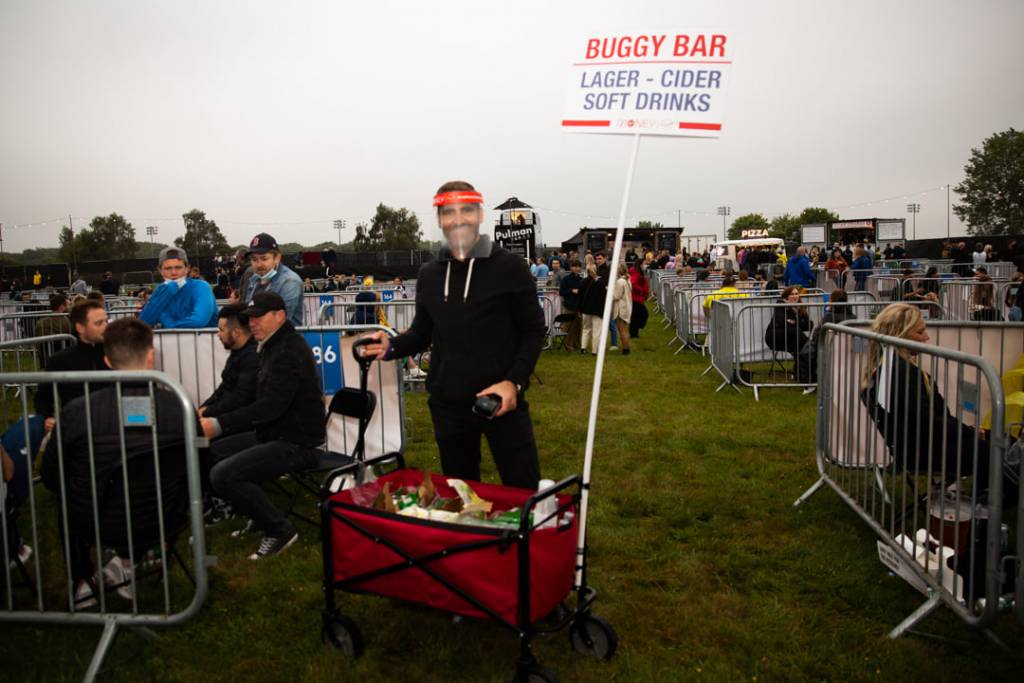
<point>266,417</point>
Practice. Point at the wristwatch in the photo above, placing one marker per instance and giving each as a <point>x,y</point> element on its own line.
<point>519,388</point>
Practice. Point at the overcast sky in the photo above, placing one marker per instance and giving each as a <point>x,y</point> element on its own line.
<point>283,116</point>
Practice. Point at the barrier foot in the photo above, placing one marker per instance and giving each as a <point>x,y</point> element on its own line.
<point>921,613</point>
<point>672,341</point>
<point>145,633</point>
<point>727,383</point>
<point>707,370</point>
<point>682,347</point>
<point>809,492</point>
<point>109,631</point>
<point>756,396</point>
<point>995,640</point>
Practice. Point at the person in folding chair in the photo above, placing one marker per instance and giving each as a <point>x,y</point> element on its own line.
<point>237,388</point>
<point>131,421</point>
<point>906,404</point>
<point>281,431</point>
<point>18,447</point>
<point>476,306</point>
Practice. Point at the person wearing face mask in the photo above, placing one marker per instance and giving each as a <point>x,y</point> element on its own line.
<point>269,274</point>
<point>476,306</point>
<point>181,301</point>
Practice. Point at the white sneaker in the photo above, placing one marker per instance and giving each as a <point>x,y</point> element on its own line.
<point>613,348</point>
<point>116,574</point>
<point>24,554</point>
<point>249,527</point>
<point>84,596</point>
<point>809,390</point>
<point>417,373</point>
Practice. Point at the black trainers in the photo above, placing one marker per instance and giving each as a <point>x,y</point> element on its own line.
<point>272,546</point>
<point>219,511</point>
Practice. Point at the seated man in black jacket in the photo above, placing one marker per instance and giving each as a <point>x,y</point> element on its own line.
<point>476,307</point>
<point>88,321</point>
<point>237,386</point>
<point>277,433</point>
<point>126,423</point>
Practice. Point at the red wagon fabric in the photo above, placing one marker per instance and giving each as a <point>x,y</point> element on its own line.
<point>488,574</point>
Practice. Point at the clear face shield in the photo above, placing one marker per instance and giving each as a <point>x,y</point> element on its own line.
<point>459,215</point>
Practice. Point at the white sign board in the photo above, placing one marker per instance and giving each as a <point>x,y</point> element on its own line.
<point>889,231</point>
<point>812,234</point>
<point>662,83</point>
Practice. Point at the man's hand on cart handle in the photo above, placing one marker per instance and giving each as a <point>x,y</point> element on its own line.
<point>379,347</point>
<point>507,391</point>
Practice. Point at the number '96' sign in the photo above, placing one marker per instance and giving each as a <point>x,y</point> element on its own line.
<point>326,348</point>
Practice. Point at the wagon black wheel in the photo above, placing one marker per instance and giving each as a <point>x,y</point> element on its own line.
<point>342,634</point>
<point>536,674</point>
<point>591,635</point>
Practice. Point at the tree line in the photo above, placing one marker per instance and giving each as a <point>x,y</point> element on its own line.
<point>113,237</point>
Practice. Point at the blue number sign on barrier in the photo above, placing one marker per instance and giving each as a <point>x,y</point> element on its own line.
<point>387,295</point>
<point>327,353</point>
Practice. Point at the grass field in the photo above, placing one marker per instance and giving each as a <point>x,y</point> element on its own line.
<point>702,564</point>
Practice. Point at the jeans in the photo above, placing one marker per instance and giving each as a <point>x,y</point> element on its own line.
<point>241,462</point>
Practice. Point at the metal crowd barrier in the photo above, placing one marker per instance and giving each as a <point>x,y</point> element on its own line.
<point>1006,294</point>
<point>399,314</point>
<point>387,290</point>
<point>30,355</point>
<point>896,439</point>
<point>999,270</point>
<point>14,326</point>
<point>126,467</point>
<point>859,280</point>
<point>691,321</point>
<point>958,298</point>
<point>743,354</point>
<point>116,312</point>
<point>195,359</point>
<point>827,280</point>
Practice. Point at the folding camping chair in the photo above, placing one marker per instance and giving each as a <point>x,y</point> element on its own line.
<point>347,402</point>
<point>560,328</point>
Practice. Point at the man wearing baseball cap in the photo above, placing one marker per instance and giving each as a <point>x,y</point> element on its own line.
<point>278,432</point>
<point>270,275</point>
<point>180,302</point>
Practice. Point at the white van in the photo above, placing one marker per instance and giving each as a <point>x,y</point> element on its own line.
<point>724,253</point>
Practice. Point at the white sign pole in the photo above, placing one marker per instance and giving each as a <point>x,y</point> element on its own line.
<point>595,395</point>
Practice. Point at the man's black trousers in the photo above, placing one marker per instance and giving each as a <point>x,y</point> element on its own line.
<point>458,430</point>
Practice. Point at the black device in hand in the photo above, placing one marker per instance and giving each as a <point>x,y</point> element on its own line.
<point>487,405</point>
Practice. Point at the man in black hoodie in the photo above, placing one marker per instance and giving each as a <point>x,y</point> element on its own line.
<point>477,307</point>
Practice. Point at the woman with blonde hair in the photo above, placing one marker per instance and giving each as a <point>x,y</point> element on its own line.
<point>592,295</point>
<point>622,307</point>
<point>861,267</point>
<point>906,405</point>
<point>983,299</point>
